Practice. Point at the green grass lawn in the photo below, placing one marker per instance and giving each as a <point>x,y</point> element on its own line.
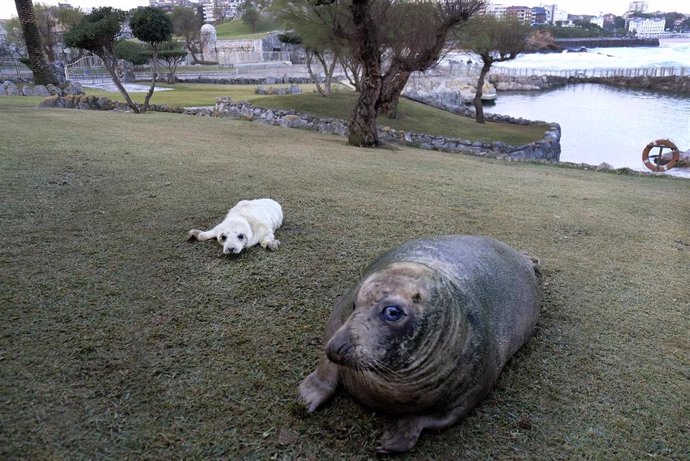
<point>413,116</point>
<point>237,29</point>
<point>120,340</point>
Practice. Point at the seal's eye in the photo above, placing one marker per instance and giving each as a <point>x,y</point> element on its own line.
<point>240,236</point>
<point>223,237</point>
<point>392,313</point>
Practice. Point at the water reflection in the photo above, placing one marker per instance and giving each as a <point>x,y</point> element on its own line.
<point>601,123</point>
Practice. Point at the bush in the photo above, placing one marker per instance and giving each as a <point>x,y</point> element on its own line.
<point>134,52</point>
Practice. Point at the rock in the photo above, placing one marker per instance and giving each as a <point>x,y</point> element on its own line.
<point>49,102</point>
<point>73,88</point>
<point>684,160</point>
<point>58,67</point>
<point>54,90</point>
<point>40,90</point>
<point>604,167</point>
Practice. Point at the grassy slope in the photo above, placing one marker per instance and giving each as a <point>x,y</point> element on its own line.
<point>236,29</point>
<point>120,340</point>
<point>413,116</point>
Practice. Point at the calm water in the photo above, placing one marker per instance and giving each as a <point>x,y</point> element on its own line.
<point>601,123</point>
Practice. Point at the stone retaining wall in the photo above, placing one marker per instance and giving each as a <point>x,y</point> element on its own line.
<point>547,149</point>
<point>244,80</point>
<point>23,87</point>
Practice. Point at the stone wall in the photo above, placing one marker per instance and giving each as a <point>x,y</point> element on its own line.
<point>245,80</point>
<point>548,149</point>
<point>24,87</point>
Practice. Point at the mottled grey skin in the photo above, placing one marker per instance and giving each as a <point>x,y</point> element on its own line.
<point>469,304</point>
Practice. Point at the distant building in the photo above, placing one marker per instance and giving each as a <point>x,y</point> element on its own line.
<point>169,5</point>
<point>539,15</point>
<point>216,10</point>
<point>597,20</point>
<point>646,26</point>
<point>554,15</point>
<point>522,13</point>
<point>498,11</point>
<point>3,31</point>
<point>638,7</point>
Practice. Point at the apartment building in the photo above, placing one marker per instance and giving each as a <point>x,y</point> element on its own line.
<point>646,26</point>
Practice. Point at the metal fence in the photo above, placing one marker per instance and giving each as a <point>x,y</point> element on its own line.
<point>10,68</point>
<point>456,68</point>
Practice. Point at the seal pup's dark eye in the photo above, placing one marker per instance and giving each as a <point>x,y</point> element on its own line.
<point>392,313</point>
<point>223,237</point>
<point>240,236</point>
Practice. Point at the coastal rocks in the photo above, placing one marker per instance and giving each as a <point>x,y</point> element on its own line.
<point>454,91</point>
<point>504,82</point>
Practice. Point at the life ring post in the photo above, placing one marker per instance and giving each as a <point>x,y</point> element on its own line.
<point>656,162</point>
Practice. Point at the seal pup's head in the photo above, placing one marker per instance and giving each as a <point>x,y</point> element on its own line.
<point>234,235</point>
<point>389,322</point>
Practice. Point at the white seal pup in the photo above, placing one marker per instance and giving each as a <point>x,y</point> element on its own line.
<point>246,224</point>
<point>425,332</point>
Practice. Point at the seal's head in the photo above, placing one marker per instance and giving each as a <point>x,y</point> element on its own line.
<point>389,321</point>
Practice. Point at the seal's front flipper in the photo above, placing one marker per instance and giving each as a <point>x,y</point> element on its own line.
<point>400,435</point>
<point>318,388</point>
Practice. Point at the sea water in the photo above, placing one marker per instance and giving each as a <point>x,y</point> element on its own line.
<point>603,123</point>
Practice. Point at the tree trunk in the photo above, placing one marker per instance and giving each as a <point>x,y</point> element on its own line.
<point>362,129</point>
<point>479,109</point>
<point>393,84</point>
<point>328,70</point>
<point>43,74</point>
<point>110,64</point>
<point>154,75</point>
<point>314,78</point>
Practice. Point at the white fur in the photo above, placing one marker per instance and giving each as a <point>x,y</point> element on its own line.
<point>246,224</point>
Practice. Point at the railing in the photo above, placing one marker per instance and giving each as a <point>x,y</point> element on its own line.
<point>13,68</point>
<point>595,72</point>
<point>88,69</point>
<point>460,69</point>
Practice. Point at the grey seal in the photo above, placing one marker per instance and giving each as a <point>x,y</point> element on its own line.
<point>424,334</point>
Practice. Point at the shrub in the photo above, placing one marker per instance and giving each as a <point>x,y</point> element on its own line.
<point>132,51</point>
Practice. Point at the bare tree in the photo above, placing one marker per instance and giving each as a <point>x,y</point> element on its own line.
<point>388,40</point>
<point>417,34</point>
<point>314,28</point>
<point>494,40</point>
<point>187,24</point>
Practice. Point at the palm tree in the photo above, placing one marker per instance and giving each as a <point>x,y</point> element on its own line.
<point>38,63</point>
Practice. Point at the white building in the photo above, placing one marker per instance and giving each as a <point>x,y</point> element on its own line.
<point>646,26</point>
<point>638,7</point>
<point>496,10</point>
<point>599,21</point>
<point>554,15</point>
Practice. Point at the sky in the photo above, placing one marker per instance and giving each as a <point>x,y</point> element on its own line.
<point>593,7</point>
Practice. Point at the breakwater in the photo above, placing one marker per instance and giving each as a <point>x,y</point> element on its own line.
<point>604,42</point>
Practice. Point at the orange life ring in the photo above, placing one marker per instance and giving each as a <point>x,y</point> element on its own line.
<point>661,144</point>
